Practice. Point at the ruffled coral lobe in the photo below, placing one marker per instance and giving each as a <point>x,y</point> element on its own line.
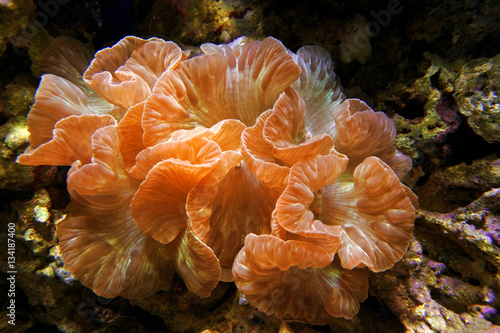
<point>92,238</point>
<point>295,279</point>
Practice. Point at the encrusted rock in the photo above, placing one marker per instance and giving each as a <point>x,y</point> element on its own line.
<point>477,90</point>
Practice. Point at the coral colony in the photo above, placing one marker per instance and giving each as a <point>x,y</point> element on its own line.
<point>245,163</point>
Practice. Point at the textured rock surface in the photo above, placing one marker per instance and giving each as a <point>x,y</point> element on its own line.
<point>477,90</point>
<point>15,16</point>
<point>448,280</point>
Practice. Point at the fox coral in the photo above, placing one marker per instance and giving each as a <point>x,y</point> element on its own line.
<point>243,164</point>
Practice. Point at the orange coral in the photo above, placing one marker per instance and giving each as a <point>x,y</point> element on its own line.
<point>244,163</point>
<point>297,280</point>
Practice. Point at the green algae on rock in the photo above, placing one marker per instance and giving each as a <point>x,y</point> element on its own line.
<point>422,110</point>
<point>477,94</point>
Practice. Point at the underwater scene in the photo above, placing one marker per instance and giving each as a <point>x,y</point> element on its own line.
<point>194,166</point>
